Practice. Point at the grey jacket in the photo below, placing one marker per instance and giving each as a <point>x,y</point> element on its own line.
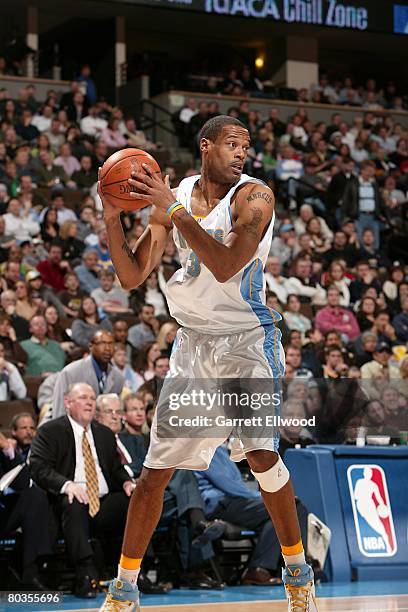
<point>83,371</point>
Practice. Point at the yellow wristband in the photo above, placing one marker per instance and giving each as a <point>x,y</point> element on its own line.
<point>174,209</point>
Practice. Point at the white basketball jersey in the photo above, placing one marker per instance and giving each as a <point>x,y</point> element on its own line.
<point>196,299</point>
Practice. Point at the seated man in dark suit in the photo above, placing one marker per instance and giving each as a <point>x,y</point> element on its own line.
<point>76,462</point>
<point>24,506</point>
<point>182,500</point>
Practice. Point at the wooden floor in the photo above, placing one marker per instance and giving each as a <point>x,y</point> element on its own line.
<point>387,603</point>
<point>383,603</point>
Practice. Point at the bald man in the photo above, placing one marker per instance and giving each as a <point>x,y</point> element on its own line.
<point>75,460</point>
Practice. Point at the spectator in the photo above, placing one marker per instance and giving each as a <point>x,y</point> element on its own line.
<point>134,414</point>
<point>72,248</point>
<point>24,508</point>
<point>112,136</point>
<point>40,292</point>
<point>63,213</point>
<point>120,334</point>
<point>337,276</point>
<point>55,330</point>
<point>365,279</point>
<point>376,424</point>
<point>69,456</point>
<point>149,292</point>
<point>144,361</point>
<point>85,176</point>
<point>94,369</point>
<point>8,301</point>
<point>19,222</point>
<point>92,124</point>
<point>72,295</point>
<point>119,360</point>
<point>88,322</point>
<point>69,162</point>
<point>146,330</point>
<point>274,280</point>
<point>293,317</point>
<point>365,347</point>
<point>362,201</point>
<point>87,272</point>
<point>13,351</point>
<point>50,227</point>
<point>293,435</point>
<point>102,248</point>
<point>51,175</point>
<point>110,299</point>
<point>137,138</point>
<point>86,223</point>
<point>380,368</point>
<point>335,367</point>
<point>304,285</point>
<point>43,355</point>
<point>400,322</point>
<point>333,316</point>
<point>11,384</point>
<point>23,430</point>
<point>53,268</point>
<point>227,497</point>
<point>85,77</point>
<point>283,246</point>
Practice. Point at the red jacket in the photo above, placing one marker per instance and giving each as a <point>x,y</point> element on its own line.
<point>51,275</point>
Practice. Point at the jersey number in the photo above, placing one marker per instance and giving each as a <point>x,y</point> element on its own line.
<point>193,263</point>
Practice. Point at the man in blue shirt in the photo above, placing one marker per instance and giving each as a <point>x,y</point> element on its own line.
<point>227,497</point>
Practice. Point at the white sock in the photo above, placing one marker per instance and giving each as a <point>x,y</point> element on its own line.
<point>295,559</point>
<point>129,575</point>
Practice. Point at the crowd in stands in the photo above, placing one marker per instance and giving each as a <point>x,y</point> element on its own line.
<point>337,273</point>
<point>369,95</point>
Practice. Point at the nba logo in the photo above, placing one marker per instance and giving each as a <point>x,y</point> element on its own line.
<point>372,511</point>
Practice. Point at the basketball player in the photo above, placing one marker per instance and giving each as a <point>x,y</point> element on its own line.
<point>222,222</point>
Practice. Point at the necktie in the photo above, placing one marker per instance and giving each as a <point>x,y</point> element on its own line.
<point>102,382</point>
<point>92,485</point>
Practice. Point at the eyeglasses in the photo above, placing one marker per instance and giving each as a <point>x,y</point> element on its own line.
<point>111,412</point>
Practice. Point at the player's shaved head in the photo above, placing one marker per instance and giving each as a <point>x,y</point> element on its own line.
<point>213,127</point>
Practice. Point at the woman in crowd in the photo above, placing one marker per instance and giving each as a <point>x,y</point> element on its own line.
<point>336,275</point>
<point>55,330</point>
<point>25,306</point>
<point>130,377</point>
<point>293,317</point>
<point>149,293</point>
<point>49,226</point>
<point>366,314</point>
<point>166,336</point>
<point>72,248</point>
<point>144,362</point>
<point>87,323</point>
<point>314,229</point>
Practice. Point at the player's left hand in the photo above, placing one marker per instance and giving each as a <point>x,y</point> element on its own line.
<point>151,188</point>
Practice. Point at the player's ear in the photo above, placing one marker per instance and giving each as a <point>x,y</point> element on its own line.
<point>204,145</point>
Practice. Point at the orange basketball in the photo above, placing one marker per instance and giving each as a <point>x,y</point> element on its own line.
<point>116,171</point>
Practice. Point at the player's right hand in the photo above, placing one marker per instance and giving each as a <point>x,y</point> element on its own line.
<point>109,210</point>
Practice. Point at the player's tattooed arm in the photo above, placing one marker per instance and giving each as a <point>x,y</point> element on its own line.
<point>252,227</point>
<point>128,252</point>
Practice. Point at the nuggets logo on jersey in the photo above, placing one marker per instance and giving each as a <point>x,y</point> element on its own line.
<point>372,511</point>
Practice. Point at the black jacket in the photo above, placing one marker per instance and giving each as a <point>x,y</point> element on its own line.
<point>135,446</point>
<point>52,460</point>
<point>351,199</point>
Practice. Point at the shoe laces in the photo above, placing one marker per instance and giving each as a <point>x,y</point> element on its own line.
<point>114,605</point>
<point>298,597</point>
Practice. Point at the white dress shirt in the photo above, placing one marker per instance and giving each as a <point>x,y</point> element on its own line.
<point>80,477</point>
